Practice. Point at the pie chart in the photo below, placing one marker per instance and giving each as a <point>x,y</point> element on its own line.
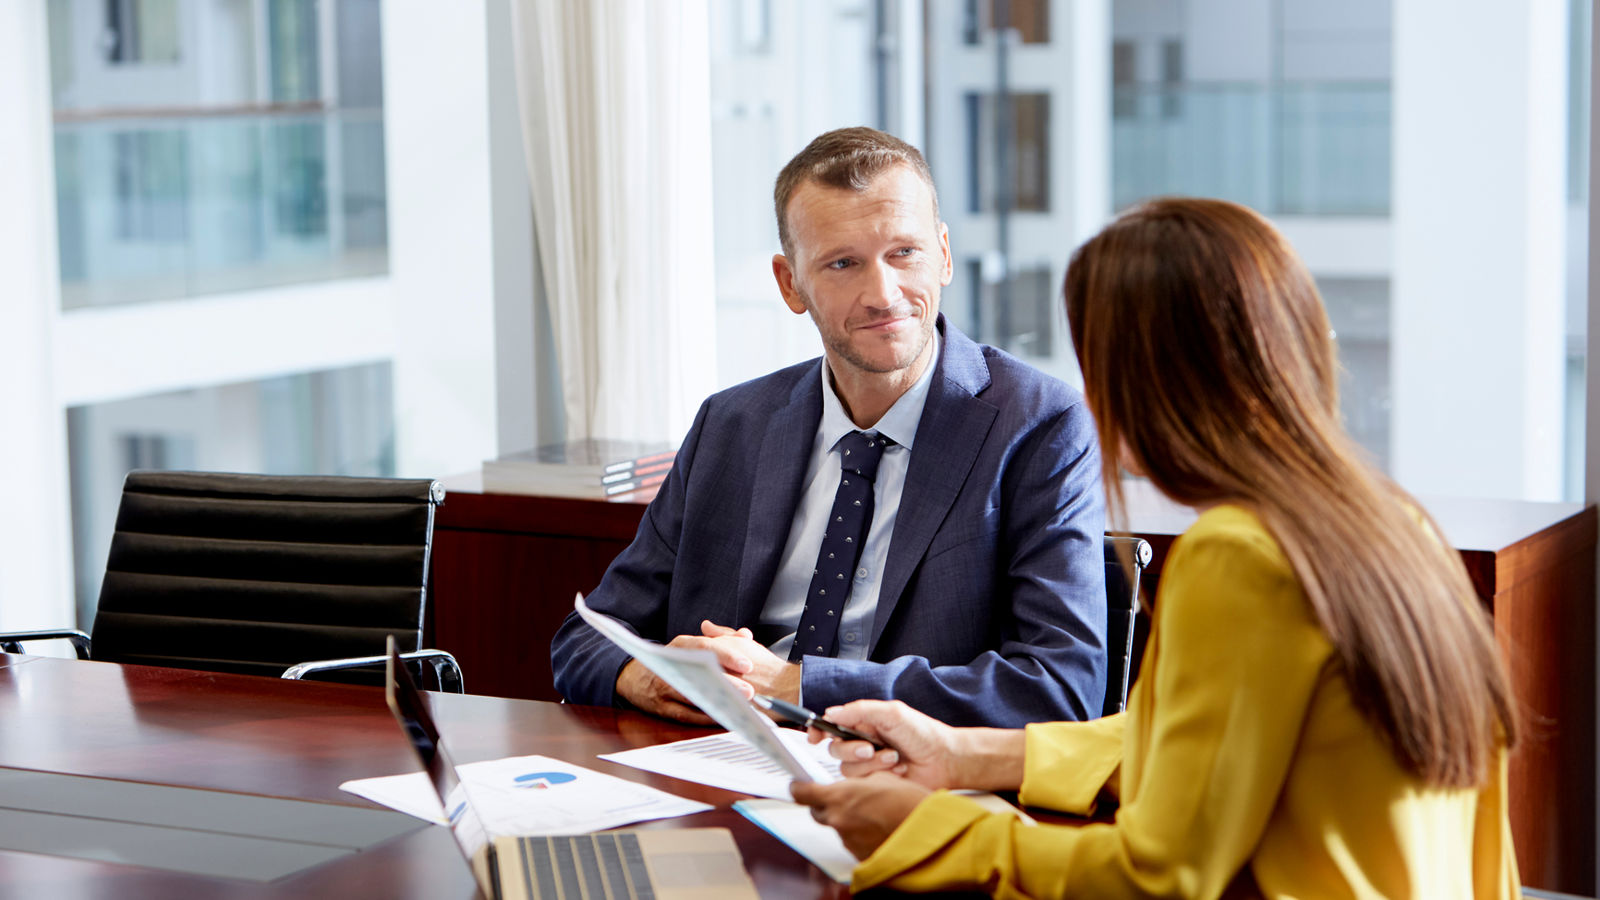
<point>541,781</point>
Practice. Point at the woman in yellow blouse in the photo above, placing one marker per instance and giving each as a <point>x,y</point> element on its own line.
<point>1320,712</point>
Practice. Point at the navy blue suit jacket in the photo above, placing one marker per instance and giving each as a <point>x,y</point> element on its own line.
<point>992,609</point>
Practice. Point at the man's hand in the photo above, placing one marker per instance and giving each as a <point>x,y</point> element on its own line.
<point>863,810</point>
<point>640,687</point>
<point>753,662</point>
<point>750,666</point>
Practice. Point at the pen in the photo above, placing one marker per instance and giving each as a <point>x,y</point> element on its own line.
<point>805,718</point>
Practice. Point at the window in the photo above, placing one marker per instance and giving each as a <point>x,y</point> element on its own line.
<point>1009,141</point>
<point>1171,77</point>
<point>140,31</point>
<point>1028,20</point>
<point>216,173</point>
<point>1010,308</point>
<point>1124,79</point>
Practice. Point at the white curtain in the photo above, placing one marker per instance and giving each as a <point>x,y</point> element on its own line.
<point>615,99</point>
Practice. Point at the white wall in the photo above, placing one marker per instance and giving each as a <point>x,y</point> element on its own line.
<point>1479,160</point>
<point>527,394</point>
<point>441,238</point>
<point>35,577</point>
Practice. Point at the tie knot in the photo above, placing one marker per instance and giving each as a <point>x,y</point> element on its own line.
<point>860,452</point>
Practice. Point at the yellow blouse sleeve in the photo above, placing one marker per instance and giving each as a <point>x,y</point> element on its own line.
<point>1236,661</point>
<point>1068,765</point>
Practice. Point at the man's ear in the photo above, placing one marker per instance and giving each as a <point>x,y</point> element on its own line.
<point>785,277</point>
<point>949,263</point>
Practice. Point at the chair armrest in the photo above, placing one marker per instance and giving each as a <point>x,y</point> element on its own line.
<point>446,671</point>
<point>10,641</point>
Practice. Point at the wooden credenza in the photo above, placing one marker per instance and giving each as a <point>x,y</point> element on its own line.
<point>505,568</point>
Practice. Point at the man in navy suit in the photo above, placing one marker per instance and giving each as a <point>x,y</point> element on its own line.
<point>975,588</point>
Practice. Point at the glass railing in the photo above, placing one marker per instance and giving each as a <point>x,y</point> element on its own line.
<point>1297,149</point>
<point>166,206</point>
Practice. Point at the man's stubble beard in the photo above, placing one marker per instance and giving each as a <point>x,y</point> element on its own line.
<point>838,345</point>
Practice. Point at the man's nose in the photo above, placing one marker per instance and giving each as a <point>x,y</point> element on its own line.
<point>884,289</point>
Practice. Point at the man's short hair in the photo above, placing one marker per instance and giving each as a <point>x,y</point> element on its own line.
<point>848,158</point>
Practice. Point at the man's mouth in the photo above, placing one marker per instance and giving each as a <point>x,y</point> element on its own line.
<point>889,322</point>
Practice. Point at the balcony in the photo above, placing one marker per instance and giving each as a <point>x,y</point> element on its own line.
<point>161,204</point>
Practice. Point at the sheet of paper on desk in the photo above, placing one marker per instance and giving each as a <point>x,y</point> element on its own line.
<point>728,761</point>
<point>531,795</point>
<point>792,824</point>
<point>698,676</point>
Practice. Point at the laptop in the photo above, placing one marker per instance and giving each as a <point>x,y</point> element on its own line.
<point>669,864</point>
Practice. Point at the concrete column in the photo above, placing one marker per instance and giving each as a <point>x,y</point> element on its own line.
<point>1591,479</point>
<point>1479,160</point>
<point>441,236</point>
<point>1088,24</point>
<point>36,576</point>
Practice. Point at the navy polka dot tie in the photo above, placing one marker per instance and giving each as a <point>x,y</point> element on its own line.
<point>842,538</point>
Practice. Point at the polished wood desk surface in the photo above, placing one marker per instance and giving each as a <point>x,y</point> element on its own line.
<point>301,740</point>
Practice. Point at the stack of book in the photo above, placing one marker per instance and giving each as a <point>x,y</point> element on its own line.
<point>593,467</point>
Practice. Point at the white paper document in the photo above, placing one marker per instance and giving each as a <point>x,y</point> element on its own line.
<point>531,795</point>
<point>728,761</point>
<point>698,676</point>
<point>792,824</point>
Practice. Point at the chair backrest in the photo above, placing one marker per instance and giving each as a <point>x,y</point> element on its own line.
<point>1122,612</point>
<point>254,573</point>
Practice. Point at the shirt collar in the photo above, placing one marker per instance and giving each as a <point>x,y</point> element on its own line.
<point>899,424</point>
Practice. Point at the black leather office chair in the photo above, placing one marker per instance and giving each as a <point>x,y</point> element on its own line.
<point>1122,614</point>
<point>255,574</point>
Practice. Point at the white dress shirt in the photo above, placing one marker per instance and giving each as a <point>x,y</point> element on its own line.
<point>788,595</point>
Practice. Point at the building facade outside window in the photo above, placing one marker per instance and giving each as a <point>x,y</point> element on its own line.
<point>1291,107</point>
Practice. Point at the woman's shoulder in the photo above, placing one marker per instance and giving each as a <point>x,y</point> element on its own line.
<point>1233,531</point>
<point>1229,558</point>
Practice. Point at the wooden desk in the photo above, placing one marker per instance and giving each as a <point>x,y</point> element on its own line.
<point>505,568</point>
<point>301,740</point>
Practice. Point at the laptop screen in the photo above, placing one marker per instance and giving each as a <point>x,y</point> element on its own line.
<point>409,707</point>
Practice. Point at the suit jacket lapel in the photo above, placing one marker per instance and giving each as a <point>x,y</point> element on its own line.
<point>955,423</point>
<point>784,451</point>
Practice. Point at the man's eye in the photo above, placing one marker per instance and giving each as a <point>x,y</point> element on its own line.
<point>905,251</point>
<point>839,264</point>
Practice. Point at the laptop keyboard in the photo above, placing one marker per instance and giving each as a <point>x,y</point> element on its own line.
<point>585,867</point>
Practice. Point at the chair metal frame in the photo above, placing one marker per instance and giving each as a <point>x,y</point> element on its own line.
<point>446,671</point>
<point>1122,600</point>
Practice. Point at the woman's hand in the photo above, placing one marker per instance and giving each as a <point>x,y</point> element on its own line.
<point>863,810</point>
<point>925,750</point>
<point>918,747</point>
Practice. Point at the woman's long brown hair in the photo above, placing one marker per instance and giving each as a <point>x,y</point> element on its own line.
<point>1207,358</point>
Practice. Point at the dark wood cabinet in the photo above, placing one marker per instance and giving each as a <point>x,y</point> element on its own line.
<point>505,568</point>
